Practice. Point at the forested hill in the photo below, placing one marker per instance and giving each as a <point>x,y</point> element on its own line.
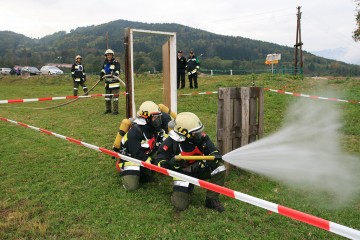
<point>219,52</point>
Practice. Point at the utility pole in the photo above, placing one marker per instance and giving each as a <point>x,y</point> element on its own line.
<point>298,45</point>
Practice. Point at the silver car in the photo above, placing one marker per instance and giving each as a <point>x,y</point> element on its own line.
<point>51,70</point>
<point>5,71</point>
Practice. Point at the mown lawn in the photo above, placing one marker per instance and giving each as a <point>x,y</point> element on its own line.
<point>54,189</point>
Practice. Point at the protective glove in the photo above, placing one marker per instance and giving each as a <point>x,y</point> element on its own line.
<point>175,164</point>
<point>102,74</point>
<point>116,74</point>
<point>115,150</point>
<point>214,163</point>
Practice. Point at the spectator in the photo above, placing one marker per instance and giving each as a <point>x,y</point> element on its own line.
<point>181,67</point>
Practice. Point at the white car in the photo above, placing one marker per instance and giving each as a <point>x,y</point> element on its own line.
<point>51,70</point>
<point>5,71</point>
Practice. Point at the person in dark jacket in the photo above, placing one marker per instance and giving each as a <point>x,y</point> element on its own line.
<point>192,67</point>
<point>188,139</point>
<point>111,68</point>
<point>181,67</point>
<point>78,75</point>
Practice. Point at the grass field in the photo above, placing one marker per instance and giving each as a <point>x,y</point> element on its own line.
<point>54,189</point>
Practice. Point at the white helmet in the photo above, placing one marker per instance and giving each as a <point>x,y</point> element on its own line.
<point>109,51</point>
<point>186,123</point>
<point>148,109</point>
<point>78,56</point>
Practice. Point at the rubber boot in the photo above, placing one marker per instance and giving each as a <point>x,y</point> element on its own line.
<point>214,204</point>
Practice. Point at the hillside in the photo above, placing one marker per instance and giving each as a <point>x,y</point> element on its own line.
<point>219,52</point>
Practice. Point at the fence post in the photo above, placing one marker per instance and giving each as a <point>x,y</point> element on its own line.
<point>240,117</point>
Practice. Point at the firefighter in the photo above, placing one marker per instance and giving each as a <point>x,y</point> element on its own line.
<point>140,142</point>
<point>78,75</point>
<point>111,68</point>
<point>188,139</point>
<point>192,67</point>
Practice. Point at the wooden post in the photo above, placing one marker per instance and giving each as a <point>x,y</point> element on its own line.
<point>240,117</point>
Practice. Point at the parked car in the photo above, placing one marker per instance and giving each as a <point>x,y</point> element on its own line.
<point>51,70</point>
<point>31,70</point>
<point>5,71</point>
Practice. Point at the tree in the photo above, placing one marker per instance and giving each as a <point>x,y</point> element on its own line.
<point>356,33</point>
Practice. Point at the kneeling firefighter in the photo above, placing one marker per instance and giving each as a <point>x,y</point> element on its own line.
<point>139,142</point>
<point>188,139</point>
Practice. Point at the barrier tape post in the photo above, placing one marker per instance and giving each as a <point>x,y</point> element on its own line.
<point>282,210</point>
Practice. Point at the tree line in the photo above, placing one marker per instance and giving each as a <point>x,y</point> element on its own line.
<point>218,52</point>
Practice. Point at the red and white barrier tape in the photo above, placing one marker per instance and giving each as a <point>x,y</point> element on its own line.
<point>55,98</point>
<point>282,210</point>
<point>197,93</point>
<point>311,96</point>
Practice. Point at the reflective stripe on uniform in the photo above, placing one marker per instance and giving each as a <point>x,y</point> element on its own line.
<point>134,168</point>
<point>181,183</point>
<point>114,85</point>
<point>218,169</point>
<point>77,79</point>
<point>107,99</point>
<point>116,99</point>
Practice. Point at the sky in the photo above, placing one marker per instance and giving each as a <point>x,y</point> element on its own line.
<point>325,24</point>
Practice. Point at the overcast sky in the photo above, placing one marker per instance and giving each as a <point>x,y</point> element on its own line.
<point>325,24</point>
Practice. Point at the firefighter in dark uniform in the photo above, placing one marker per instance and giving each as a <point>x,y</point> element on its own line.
<point>78,75</point>
<point>111,68</point>
<point>181,67</point>
<point>188,139</point>
<point>140,142</point>
<point>192,67</point>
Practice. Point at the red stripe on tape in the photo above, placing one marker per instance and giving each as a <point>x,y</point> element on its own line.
<point>156,168</point>
<point>22,124</point>
<point>223,190</point>
<point>311,96</point>
<point>3,119</point>
<point>74,140</point>
<point>15,100</point>
<point>45,99</point>
<point>46,131</point>
<point>304,217</point>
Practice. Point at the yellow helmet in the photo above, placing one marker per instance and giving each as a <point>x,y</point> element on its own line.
<point>109,51</point>
<point>186,123</point>
<point>148,109</point>
<point>78,56</point>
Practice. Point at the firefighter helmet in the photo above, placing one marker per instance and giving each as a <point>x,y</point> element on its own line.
<point>187,123</point>
<point>109,51</point>
<point>148,109</point>
<point>78,56</point>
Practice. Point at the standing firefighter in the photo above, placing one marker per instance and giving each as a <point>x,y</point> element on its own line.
<point>188,139</point>
<point>139,142</point>
<point>78,75</point>
<point>110,69</point>
<point>192,67</point>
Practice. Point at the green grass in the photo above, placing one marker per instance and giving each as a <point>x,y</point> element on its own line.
<point>53,189</point>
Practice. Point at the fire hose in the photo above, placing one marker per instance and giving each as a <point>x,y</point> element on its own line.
<point>71,101</point>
